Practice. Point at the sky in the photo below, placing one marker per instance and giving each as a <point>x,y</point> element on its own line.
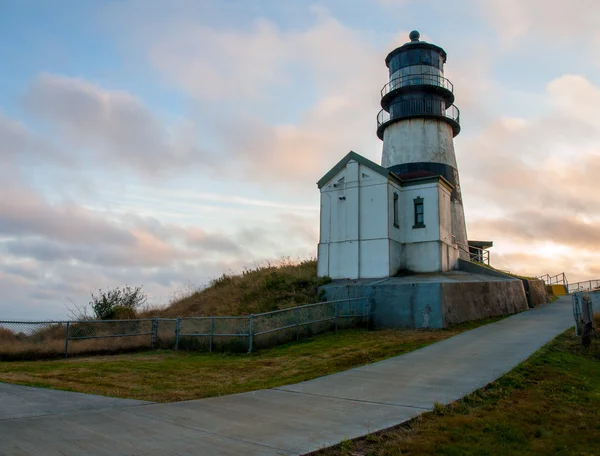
<point>164,143</point>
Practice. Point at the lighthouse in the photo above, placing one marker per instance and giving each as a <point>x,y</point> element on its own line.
<point>419,120</point>
<point>406,214</point>
<point>393,233</point>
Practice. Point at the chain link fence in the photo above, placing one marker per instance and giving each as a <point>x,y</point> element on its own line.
<point>36,340</point>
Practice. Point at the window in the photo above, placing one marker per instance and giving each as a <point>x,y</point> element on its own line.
<point>396,224</point>
<point>419,213</point>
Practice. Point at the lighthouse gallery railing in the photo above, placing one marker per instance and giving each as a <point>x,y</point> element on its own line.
<point>409,80</point>
<point>424,107</point>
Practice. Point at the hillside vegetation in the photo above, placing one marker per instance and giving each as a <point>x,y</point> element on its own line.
<point>271,286</point>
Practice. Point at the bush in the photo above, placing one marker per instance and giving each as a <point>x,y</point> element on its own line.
<point>117,303</point>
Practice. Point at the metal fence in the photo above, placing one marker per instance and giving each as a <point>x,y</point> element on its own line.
<point>586,285</point>
<point>558,279</point>
<point>585,309</point>
<point>34,340</point>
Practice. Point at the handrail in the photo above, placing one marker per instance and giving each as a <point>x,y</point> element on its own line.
<point>475,253</point>
<point>410,108</point>
<point>407,80</point>
<point>558,279</point>
<point>585,285</point>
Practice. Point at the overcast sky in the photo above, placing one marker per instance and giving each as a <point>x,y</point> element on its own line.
<point>162,143</point>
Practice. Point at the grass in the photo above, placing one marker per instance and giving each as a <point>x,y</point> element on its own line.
<point>549,404</point>
<point>167,376</point>
<point>264,288</point>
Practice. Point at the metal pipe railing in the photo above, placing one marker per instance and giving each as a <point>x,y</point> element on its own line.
<point>408,80</point>
<point>411,108</point>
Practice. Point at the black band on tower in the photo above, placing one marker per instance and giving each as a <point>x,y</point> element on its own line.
<point>421,169</point>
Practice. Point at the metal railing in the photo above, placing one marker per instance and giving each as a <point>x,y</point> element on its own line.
<point>417,107</point>
<point>586,285</point>
<point>408,80</point>
<point>558,279</point>
<point>33,340</point>
<point>475,254</point>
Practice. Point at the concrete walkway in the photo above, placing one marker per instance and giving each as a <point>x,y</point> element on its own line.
<point>294,419</point>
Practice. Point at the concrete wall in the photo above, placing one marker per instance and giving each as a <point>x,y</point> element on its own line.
<point>423,256</point>
<point>459,226</point>
<point>476,300</point>
<point>399,303</point>
<point>418,140</point>
<point>535,290</point>
<point>406,306</point>
<point>409,306</point>
<point>431,231</point>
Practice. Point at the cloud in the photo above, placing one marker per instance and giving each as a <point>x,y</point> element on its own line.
<point>247,83</point>
<point>531,183</point>
<point>111,128</point>
<point>53,252</point>
<point>548,19</point>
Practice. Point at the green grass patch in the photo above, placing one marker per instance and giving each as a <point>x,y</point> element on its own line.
<point>167,376</point>
<point>549,404</point>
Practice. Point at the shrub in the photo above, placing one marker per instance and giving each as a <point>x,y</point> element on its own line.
<point>118,303</point>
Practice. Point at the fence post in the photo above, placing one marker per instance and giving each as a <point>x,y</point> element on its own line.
<point>177,326</point>
<point>212,333</point>
<point>336,316</point>
<point>297,322</point>
<point>67,340</point>
<point>250,336</point>
<point>154,332</point>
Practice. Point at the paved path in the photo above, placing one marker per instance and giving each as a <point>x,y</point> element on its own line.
<point>294,419</point>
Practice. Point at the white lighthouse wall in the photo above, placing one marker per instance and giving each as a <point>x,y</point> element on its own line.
<point>450,251</point>
<point>396,248</point>
<point>354,238</point>
<point>459,227</point>
<point>418,140</point>
<point>422,249</point>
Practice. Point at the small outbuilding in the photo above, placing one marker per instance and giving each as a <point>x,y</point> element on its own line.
<point>375,223</point>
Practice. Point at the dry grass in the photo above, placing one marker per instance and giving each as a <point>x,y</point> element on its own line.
<point>175,376</point>
<point>547,405</point>
<point>47,340</point>
<point>267,287</point>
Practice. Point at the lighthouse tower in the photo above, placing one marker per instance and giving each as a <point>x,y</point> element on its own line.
<point>419,121</point>
<point>405,215</point>
<point>395,233</point>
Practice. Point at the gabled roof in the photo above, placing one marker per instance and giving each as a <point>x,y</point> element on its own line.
<point>361,160</point>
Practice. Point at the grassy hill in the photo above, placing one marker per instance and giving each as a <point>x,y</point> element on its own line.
<point>271,286</point>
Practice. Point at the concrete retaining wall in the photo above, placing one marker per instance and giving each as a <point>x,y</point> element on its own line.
<point>476,300</point>
<point>422,301</point>
<point>407,306</point>
<point>535,290</point>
